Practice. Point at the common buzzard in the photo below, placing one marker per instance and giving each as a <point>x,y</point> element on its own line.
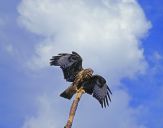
<point>71,65</point>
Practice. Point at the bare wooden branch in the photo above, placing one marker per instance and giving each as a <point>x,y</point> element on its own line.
<point>74,106</point>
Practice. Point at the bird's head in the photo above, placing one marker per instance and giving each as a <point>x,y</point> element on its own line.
<point>88,72</point>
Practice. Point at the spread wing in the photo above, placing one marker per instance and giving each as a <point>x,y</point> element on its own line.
<point>98,87</point>
<point>70,64</point>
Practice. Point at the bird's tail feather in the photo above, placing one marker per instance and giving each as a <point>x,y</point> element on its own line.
<point>69,92</point>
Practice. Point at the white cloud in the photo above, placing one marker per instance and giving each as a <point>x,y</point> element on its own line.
<point>156,60</point>
<point>45,117</point>
<point>106,33</point>
<point>5,44</point>
<point>118,115</point>
<point>157,56</point>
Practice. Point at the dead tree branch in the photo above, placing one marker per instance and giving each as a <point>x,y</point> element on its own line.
<point>74,106</point>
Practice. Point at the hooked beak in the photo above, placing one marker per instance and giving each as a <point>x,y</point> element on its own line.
<point>90,72</point>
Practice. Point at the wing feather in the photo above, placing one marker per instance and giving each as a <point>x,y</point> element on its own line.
<point>101,91</point>
<point>107,101</point>
<point>70,64</point>
<point>97,86</point>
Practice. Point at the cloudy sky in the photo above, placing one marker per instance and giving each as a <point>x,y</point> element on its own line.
<point>120,39</point>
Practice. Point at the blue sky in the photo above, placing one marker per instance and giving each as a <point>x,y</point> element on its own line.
<point>29,36</point>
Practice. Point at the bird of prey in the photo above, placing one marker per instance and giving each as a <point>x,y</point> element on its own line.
<point>71,65</point>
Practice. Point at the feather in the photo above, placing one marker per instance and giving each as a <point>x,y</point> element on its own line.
<point>70,64</point>
<point>97,85</point>
<point>107,100</point>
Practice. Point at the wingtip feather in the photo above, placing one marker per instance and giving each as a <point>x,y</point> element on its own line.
<point>109,90</point>
<point>54,60</point>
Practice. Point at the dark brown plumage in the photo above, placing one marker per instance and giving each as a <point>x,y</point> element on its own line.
<point>71,65</point>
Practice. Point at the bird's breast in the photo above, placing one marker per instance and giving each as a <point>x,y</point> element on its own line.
<point>82,76</point>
